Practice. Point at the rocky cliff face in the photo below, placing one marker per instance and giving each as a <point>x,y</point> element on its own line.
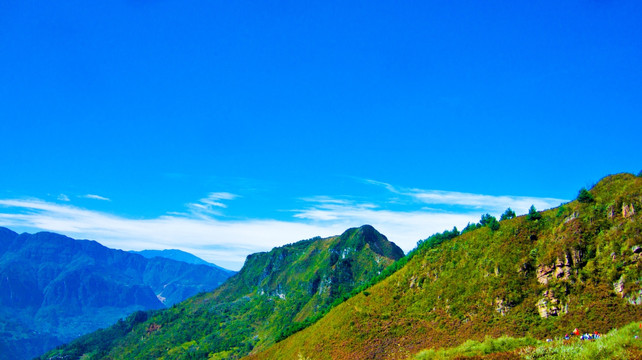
<point>59,288</point>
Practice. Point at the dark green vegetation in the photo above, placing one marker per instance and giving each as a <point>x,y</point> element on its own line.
<point>54,288</point>
<point>538,276</point>
<point>487,220</point>
<point>277,291</point>
<point>585,196</point>
<point>508,214</point>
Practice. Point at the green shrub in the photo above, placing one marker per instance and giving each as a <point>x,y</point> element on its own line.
<point>585,196</point>
<point>470,227</point>
<point>508,214</point>
<point>533,215</point>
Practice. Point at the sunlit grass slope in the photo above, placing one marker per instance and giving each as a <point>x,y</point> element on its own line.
<point>578,265</point>
<point>622,343</point>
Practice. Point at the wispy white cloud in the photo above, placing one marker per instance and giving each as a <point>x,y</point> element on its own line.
<point>96,197</point>
<point>225,243</point>
<point>207,206</point>
<point>405,228</point>
<point>63,197</point>
<point>405,216</point>
<point>487,203</point>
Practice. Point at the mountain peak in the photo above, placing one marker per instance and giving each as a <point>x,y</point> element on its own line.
<point>359,237</point>
<point>275,293</point>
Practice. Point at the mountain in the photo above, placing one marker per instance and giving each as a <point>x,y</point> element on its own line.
<point>178,255</point>
<point>54,288</point>
<point>540,275</point>
<point>273,292</point>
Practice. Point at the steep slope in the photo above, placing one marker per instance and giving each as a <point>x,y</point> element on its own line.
<point>578,265</point>
<point>273,289</point>
<point>54,288</point>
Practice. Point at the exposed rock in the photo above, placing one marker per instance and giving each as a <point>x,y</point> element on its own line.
<point>543,273</point>
<point>627,210</point>
<point>152,328</point>
<point>636,249</point>
<point>413,281</point>
<point>572,217</point>
<point>576,256</point>
<point>560,270</point>
<point>618,286</point>
<point>501,306</point>
<point>524,268</point>
<point>563,269</point>
<point>548,305</point>
<point>635,300</point>
<point>611,212</point>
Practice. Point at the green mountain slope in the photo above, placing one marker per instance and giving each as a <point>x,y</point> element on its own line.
<point>540,275</point>
<point>273,289</point>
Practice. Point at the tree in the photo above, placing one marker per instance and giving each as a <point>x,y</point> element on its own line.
<point>533,215</point>
<point>585,196</point>
<point>489,221</point>
<point>508,214</point>
<point>470,227</point>
<point>494,224</point>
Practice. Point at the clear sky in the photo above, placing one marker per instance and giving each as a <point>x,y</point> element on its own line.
<point>229,127</point>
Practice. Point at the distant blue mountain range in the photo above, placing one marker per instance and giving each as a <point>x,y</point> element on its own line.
<point>179,255</point>
<point>54,288</point>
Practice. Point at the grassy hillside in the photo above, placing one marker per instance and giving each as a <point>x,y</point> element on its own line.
<point>622,343</point>
<point>539,275</point>
<point>273,291</point>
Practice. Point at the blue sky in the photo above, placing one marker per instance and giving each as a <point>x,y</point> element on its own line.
<point>225,128</point>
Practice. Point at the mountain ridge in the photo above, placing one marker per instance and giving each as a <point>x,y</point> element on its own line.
<point>538,275</point>
<point>541,275</point>
<point>178,255</point>
<point>274,288</point>
<point>54,288</point>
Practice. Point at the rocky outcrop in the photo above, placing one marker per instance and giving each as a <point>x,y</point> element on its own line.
<point>633,297</point>
<point>544,273</point>
<point>560,270</point>
<point>611,212</point>
<point>571,217</point>
<point>618,286</point>
<point>501,306</point>
<point>628,210</point>
<point>549,305</point>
